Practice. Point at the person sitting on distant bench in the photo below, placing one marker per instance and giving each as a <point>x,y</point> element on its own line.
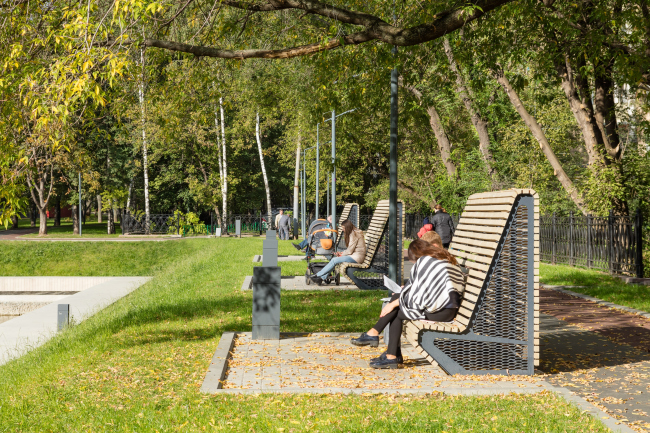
<point>429,295</point>
<point>355,253</point>
<point>304,245</point>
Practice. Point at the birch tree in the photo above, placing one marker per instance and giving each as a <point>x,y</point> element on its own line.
<point>296,189</point>
<point>223,167</point>
<point>266,181</point>
<point>144,145</point>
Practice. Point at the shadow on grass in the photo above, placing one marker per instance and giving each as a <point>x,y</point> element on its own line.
<point>300,312</point>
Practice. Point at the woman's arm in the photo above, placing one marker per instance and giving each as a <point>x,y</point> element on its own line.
<point>354,240</point>
<point>389,307</point>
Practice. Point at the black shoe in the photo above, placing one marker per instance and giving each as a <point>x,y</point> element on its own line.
<point>316,279</point>
<point>296,246</point>
<point>365,340</point>
<point>385,363</point>
<point>400,359</point>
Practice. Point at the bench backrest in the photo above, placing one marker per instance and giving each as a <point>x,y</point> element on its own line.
<point>377,238</point>
<point>351,212</point>
<point>494,243</point>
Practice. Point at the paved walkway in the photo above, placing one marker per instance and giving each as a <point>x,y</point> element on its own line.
<point>599,353</point>
<point>328,362</point>
<point>14,234</point>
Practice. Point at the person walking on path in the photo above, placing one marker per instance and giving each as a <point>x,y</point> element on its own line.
<point>277,221</point>
<point>443,225</point>
<point>285,227</point>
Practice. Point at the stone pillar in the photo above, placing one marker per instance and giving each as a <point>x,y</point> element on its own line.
<point>266,292</point>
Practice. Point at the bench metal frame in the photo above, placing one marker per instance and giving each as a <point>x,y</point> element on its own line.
<point>498,338</point>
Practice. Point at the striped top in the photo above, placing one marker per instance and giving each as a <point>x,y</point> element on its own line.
<point>429,287</point>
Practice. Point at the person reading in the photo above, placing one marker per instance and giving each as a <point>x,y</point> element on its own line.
<point>429,295</point>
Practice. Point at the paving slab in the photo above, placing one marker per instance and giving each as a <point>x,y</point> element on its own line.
<point>611,375</point>
<point>31,330</point>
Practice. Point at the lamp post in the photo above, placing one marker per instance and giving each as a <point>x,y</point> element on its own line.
<point>303,212</point>
<point>333,204</point>
<point>392,198</point>
<point>79,203</point>
<point>317,168</point>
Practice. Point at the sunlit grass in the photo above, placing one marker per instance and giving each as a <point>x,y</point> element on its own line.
<point>138,364</point>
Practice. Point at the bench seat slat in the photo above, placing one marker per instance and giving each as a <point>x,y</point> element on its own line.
<point>483,222</point>
<point>479,236</point>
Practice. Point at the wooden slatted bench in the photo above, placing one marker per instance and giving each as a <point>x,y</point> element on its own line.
<point>496,330</point>
<point>369,274</point>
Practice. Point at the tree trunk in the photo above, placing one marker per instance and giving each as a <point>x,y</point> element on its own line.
<point>581,108</point>
<point>14,222</point>
<point>145,163</point>
<point>128,200</point>
<point>32,215</point>
<point>296,185</point>
<point>224,189</point>
<point>220,218</point>
<point>99,208</point>
<point>479,123</point>
<point>75,219</point>
<point>57,212</point>
<point>110,223</point>
<point>537,132</point>
<point>444,146</point>
<point>266,181</point>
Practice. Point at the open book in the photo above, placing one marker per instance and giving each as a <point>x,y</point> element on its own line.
<point>392,285</point>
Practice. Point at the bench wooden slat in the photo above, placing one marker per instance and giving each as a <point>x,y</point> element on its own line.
<point>465,226</point>
<point>491,201</point>
<point>473,249</point>
<point>483,214</point>
<point>473,257</point>
<point>463,234</point>
<point>495,194</point>
<point>483,222</point>
<point>472,207</point>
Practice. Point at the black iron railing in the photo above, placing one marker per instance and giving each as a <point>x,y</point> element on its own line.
<point>136,224</point>
<point>611,243</point>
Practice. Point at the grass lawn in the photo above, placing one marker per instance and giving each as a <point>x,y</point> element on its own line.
<point>598,284</point>
<point>91,228</point>
<point>138,364</point>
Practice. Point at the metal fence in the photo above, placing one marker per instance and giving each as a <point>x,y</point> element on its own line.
<point>612,243</point>
<point>158,224</point>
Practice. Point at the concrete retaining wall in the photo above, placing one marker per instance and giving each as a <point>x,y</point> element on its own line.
<point>50,284</point>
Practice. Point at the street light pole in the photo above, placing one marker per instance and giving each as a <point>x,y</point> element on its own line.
<point>79,203</point>
<point>333,206</point>
<point>304,188</point>
<point>392,199</point>
<point>317,167</point>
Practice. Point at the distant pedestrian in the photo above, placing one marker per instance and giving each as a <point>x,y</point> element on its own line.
<point>277,221</point>
<point>443,225</point>
<point>285,227</point>
<point>426,227</point>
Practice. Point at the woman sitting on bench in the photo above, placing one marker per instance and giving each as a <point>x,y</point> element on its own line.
<point>429,295</point>
<point>355,252</point>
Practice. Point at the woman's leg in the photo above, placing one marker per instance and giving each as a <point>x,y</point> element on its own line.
<point>335,261</point>
<point>395,335</point>
<point>383,321</point>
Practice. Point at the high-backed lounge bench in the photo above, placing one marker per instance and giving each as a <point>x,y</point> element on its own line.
<point>496,330</point>
<point>369,274</point>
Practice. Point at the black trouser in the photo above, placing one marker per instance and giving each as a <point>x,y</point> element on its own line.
<point>395,319</point>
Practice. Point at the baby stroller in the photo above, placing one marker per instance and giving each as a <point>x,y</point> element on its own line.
<point>322,241</point>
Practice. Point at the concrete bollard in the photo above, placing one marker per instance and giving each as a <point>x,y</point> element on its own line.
<point>63,316</point>
<point>270,249</point>
<point>266,303</point>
